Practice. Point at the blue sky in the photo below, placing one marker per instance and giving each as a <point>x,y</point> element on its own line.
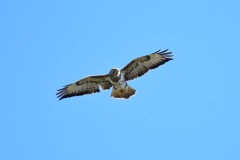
<point>187,109</point>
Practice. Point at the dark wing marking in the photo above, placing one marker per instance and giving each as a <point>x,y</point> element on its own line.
<point>84,86</point>
<point>142,65</point>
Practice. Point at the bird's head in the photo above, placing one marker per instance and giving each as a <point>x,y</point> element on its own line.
<point>114,74</point>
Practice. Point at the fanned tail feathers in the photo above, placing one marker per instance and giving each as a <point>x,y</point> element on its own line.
<point>123,93</point>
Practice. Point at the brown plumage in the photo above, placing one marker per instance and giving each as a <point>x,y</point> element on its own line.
<point>123,93</point>
<point>116,78</point>
<point>142,65</point>
<point>86,85</point>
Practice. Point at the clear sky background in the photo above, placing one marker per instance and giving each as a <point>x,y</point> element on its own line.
<point>188,109</point>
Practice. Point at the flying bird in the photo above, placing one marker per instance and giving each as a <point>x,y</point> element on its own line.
<point>116,78</point>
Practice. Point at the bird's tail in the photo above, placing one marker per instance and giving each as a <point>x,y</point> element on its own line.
<point>123,93</point>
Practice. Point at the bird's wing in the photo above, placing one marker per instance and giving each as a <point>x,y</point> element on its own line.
<point>142,65</point>
<point>86,85</point>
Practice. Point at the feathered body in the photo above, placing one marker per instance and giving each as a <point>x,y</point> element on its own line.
<point>120,87</point>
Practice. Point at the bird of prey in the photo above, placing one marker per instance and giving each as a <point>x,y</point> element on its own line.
<point>116,78</point>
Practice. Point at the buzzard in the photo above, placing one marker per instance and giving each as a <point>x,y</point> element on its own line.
<point>116,78</point>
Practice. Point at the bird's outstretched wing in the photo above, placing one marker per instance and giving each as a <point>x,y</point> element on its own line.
<point>142,65</point>
<point>86,85</point>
